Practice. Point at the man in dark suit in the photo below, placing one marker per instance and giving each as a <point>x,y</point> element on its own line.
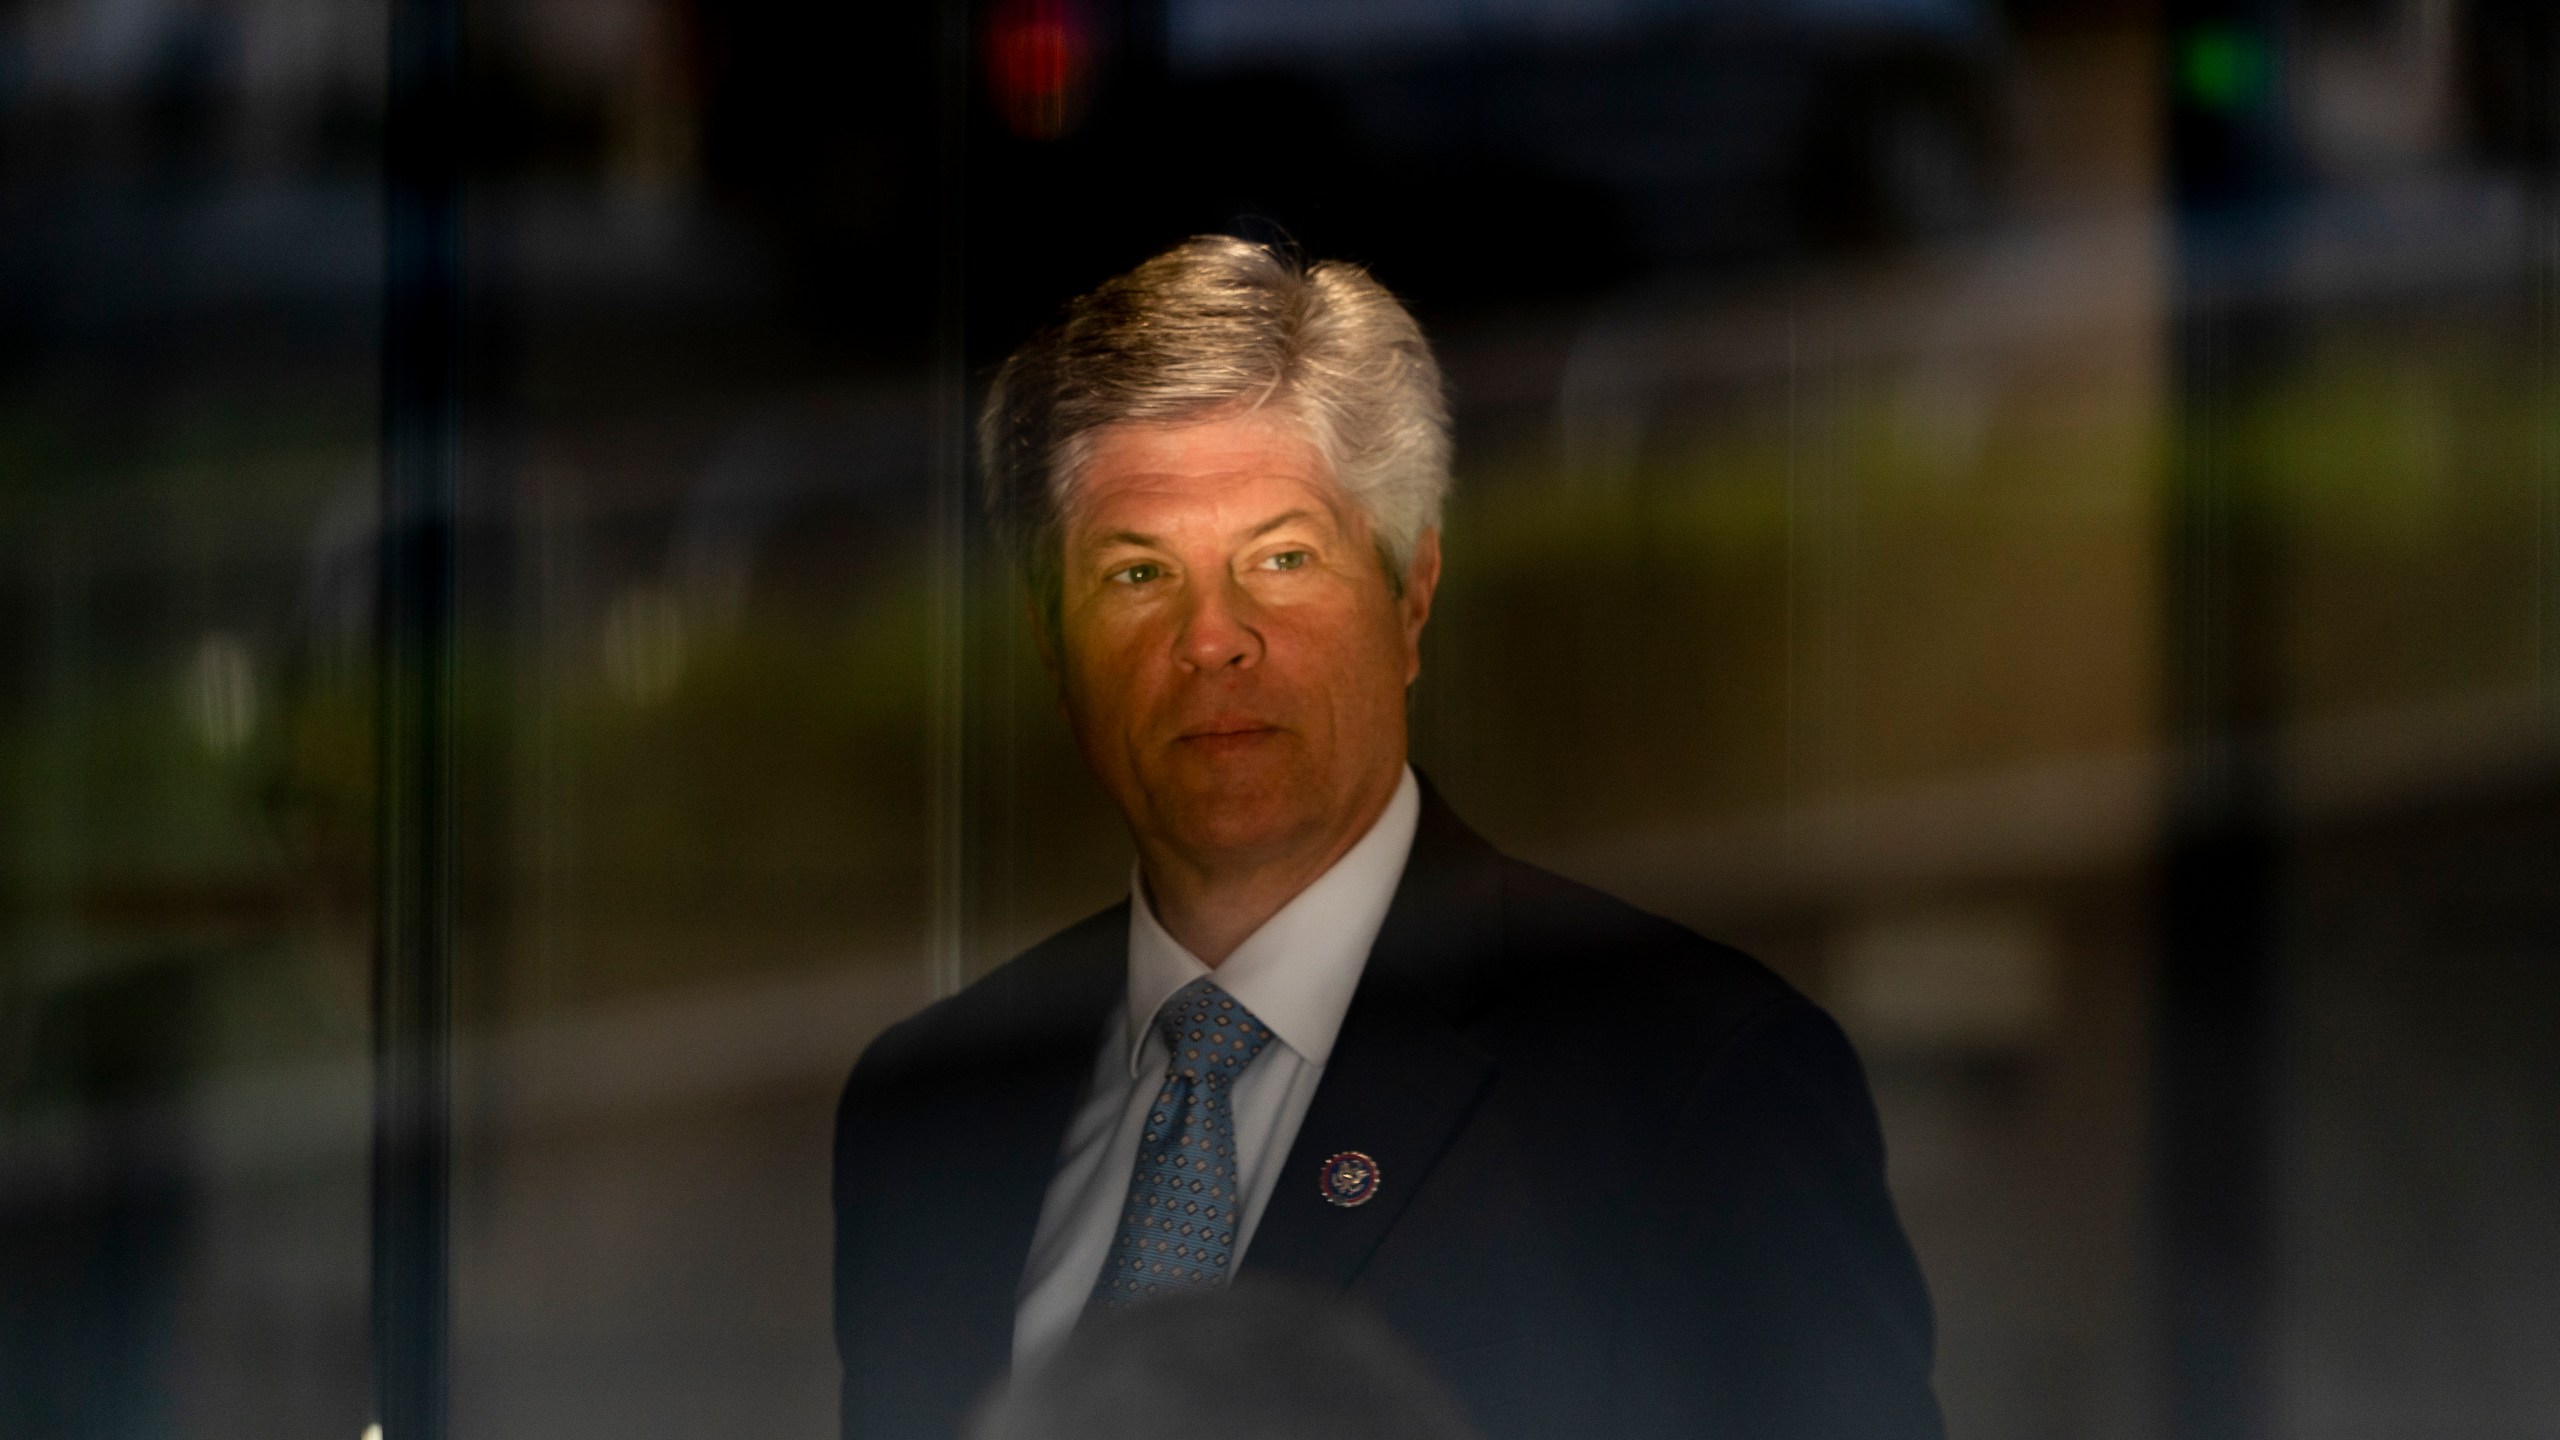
<point>1606,1178</point>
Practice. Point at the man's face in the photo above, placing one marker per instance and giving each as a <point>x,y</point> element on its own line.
<point>1232,657</point>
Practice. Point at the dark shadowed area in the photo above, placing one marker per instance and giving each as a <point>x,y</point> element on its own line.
<point>2041,521</point>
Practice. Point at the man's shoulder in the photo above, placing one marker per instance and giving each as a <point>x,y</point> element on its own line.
<point>1056,993</point>
<point>1563,932</point>
<point>1585,966</point>
<point>1600,988</point>
<point>1568,947</point>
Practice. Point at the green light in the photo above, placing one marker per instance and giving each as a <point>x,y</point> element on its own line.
<point>2222,67</point>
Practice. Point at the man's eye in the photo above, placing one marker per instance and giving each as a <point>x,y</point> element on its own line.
<point>1138,574</point>
<point>1288,560</point>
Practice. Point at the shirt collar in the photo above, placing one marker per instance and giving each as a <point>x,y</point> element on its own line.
<point>1297,972</point>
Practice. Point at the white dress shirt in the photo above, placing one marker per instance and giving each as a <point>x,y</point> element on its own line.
<point>1296,975</point>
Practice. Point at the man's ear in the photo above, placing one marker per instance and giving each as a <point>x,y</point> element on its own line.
<point>1042,634</point>
<point>1421,578</point>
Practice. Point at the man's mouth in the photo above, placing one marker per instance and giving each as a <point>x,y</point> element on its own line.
<point>1216,732</point>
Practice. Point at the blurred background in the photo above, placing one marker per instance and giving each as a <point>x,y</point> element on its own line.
<point>2041,520</point>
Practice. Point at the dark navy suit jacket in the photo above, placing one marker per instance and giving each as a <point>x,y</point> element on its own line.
<point>1633,1184</point>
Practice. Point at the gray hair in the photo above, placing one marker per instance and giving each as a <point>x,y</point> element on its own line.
<point>1268,1360</point>
<point>1215,326</point>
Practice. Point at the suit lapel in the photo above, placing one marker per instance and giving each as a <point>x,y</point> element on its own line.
<point>1404,1078</point>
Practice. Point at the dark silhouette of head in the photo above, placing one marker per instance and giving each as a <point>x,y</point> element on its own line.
<point>1261,1361</point>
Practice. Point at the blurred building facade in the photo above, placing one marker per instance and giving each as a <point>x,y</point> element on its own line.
<point>2041,521</point>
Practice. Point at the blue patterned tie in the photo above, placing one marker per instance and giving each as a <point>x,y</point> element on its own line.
<point>1178,1231</point>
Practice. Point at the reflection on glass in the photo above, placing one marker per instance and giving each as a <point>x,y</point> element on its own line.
<point>1935,483</point>
<point>188,276</point>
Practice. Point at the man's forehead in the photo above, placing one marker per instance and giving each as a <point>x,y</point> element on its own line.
<point>1251,441</point>
<point>1228,476</point>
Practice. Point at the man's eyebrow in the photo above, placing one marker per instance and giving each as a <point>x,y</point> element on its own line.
<point>1148,542</point>
<point>1276,521</point>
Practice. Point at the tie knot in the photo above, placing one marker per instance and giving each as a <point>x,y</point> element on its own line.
<point>1211,1036</point>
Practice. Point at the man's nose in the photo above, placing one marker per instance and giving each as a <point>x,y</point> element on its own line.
<point>1218,632</point>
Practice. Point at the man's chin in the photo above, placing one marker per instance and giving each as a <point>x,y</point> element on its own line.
<point>1241,804</point>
